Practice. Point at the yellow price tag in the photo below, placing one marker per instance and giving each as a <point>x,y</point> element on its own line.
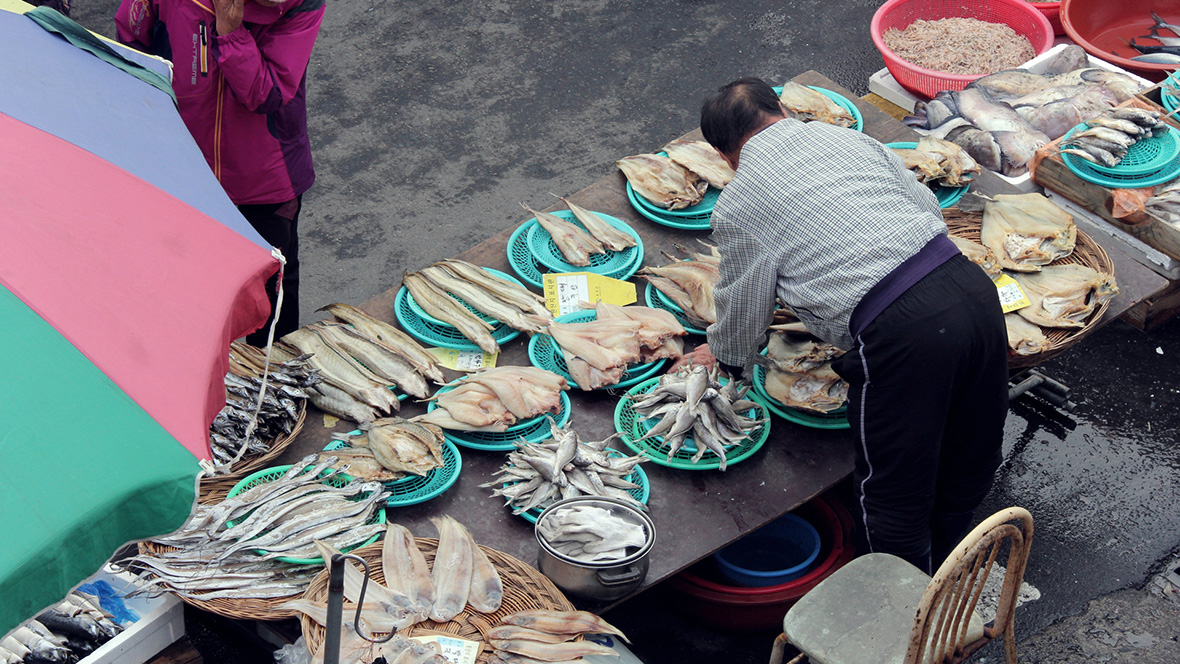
<point>568,291</point>
<point>464,360</point>
<point>1011,295</point>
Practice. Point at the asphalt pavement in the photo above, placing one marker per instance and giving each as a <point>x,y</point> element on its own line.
<point>431,121</point>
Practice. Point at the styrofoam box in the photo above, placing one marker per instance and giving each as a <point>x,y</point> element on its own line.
<point>884,85</point>
<point>1156,260</point>
<point>160,624</point>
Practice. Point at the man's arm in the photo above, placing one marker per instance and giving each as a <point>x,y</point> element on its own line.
<point>744,295</point>
<point>265,73</point>
<point>134,21</point>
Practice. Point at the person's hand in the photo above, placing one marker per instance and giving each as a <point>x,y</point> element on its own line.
<point>701,355</point>
<point>229,15</point>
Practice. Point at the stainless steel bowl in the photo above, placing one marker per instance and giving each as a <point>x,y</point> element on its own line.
<point>598,581</point>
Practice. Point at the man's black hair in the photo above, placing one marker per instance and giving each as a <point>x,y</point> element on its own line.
<point>735,110</point>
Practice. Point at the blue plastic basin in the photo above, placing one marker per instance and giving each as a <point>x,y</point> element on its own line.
<point>778,552</point>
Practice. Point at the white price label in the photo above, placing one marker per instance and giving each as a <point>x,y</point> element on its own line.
<point>469,360</point>
<point>571,291</point>
<point>455,650</point>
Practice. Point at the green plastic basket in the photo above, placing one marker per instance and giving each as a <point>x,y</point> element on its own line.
<point>698,223</point>
<point>441,334</point>
<point>840,99</point>
<point>414,489</point>
<point>545,353</point>
<point>657,300</point>
<point>525,264</point>
<point>628,422</point>
<point>1145,158</point>
<point>421,313</point>
<point>545,250</point>
<point>947,196</point>
<point>637,476</point>
<point>267,475</point>
<point>1170,91</point>
<point>533,430</point>
<point>837,419</point>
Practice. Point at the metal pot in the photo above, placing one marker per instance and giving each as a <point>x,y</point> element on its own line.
<point>598,581</point>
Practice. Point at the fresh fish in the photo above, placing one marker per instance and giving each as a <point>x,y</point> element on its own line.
<point>808,105</point>
<point>1064,295</point>
<point>453,566</point>
<point>610,237</point>
<point>1056,118</point>
<point>1024,338</point>
<point>563,622</point>
<point>575,244</point>
<point>442,306</point>
<point>702,159</point>
<point>388,335</point>
<point>1027,231</point>
<point>1152,49</point>
<point>662,181</point>
<point>1161,24</point>
<point>1158,58</point>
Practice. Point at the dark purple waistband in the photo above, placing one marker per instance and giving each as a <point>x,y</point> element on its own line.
<point>937,251</point>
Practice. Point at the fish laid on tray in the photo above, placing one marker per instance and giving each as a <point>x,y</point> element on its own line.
<point>1109,135</point>
<point>598,352</point>
<point>1064,295</point>
<point>663,182</point>
<point>575,244</point>
<point>495,399</point>
<point>935,161</point>
<point>1024,338</point>
<point>592,534</point>
<point>692,402</point>
<point>66,632</point>
<point>689,283</point>
<point>380,332</point>
<point>1026,231</point>
<point>799,370</point>
<point>538,635</point>
<point>397,447</point>
<point>610,237</point>
<point>803,103</point>
<point>563,467</point>
<point>702,159</point>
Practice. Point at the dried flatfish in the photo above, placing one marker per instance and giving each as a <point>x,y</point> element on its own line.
<point>808,105</point>
<point>1024,338</point>
<point>453,566</point>
<point>406,570</point>
<point>688,283</point>
<point>935,161</point>
<point>662,181</point>
<point>799,371</point>
<point>702,159</point>
<point>1027,231</point>
<point>979,254</point>
<point>1064,295</point>
<point>575,244</point>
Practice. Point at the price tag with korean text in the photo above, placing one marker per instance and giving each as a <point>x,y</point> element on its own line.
<point>1011,296</point>
<point>454,649</point>
<point>464,360</point>
<point>570,291</point>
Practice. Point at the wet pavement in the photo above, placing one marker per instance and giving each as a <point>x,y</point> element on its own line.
<point>430,121</point>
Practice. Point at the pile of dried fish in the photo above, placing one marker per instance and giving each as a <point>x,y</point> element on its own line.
<point>391,448</point>
<point>592,534</point>
<point>1111,134</point>
<point>702,159</point>
<point>285,392</point>
<point>286,517</point>
<point>803,103</point>
<point>66,632</point>
<point>1064,295</point>
<point>938,162</point>
<point>532,636</point>
<point>564,467</point>
<point>1026,231</point>
<point>692,402</point>
<point>1024,338</point>
<point>979,254</point>
<point>799,370</point>
<point>663,182</point>
<point>659,331</point>
<point>495,399</point>
<point>598,352</point>
<point>689,283</point>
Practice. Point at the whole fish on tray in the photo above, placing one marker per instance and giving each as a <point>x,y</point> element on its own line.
<point>688,283</point>
<point>702,159</point>
<point>1064,295</point>
<point>575,244</point>
<point>610,237</point>
<point>348,389</point>
<point>1027,231</point>
<point>404,447</point>
<point>483,301</point>
<point>439,304</point>
<point>494,399</point>
<point>799,370</point>
<point>383,333</point>
<point>808,105</point>
<point>662,181</point>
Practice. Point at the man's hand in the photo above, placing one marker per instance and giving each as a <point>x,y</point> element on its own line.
<point>701,355</point>
<point>229,15</point>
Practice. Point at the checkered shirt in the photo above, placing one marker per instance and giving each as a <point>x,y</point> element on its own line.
<point>816,215</point>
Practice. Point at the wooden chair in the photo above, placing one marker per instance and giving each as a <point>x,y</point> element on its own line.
<point>879,609</point>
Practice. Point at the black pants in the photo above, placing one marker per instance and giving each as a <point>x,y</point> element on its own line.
<point>928,398</point>
<point>278,224</point>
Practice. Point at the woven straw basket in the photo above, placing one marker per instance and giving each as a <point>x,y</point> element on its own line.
<point>1086,252</point>
<point>524,588</point>
<point>216,488</point>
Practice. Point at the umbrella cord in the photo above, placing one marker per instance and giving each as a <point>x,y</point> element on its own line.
<point>270,337</point>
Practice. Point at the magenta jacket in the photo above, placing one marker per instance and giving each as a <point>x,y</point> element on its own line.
<point>242,95</point>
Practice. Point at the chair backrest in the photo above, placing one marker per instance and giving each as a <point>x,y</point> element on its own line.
<point>941,623</point>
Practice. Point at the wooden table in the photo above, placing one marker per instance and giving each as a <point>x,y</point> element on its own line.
<point>695,512</point>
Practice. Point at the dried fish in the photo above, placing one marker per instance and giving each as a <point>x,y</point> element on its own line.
<point>453,567</point>
<point>389,336</point>
<point>406,570</point>
<point>494,399</point>
<point>575,244</point>
<point>799,371</point>
<point>439,304</point>
<point>553,652</point>
<point>610,237</point>
<point>662,181</point>
<point>809,105</point>
<point>1027,231</point>
<point>592,534</point>
<point>1024,338</point>
<point>597,352</point>
<point>979,254</point>
<point>702,159</point>
<point>1064,295</point>
<point>935,161</point>
<point>688,283</point>
<point>563,622</point>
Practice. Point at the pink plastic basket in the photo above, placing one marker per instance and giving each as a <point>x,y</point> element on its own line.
<point>1020,15</point>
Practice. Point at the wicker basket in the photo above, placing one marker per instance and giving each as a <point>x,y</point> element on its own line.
<point>524,588</point>
<point>215,489</point>
<point>1086,252</point>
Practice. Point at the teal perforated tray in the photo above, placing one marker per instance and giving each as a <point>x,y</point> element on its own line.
<point>840,99</point>
<point>431,319</point>
<point>947,196</point>
<point>629,423</point>
<point>837,419</point>
<point>544,353</point>
<point>534,430</point>
<point>415,489</point>
<point>637,476</point>
<point>441,334</point>
<point>525,264</point>
<point>698,222</point>
<point>657,300</point>
<point>545,251</point>
<point>267,475</point>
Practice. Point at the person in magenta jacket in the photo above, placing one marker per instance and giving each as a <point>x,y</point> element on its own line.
<point>240,76</point>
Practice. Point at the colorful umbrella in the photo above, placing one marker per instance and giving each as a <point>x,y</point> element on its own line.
<point>125,272</point>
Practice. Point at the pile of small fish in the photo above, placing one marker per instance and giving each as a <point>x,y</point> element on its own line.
<point>808,105</point>
<point>938,162</point>
<point>1164,203</point>
<point>446,290</point>
<point>595,236</point>
<point>1167,52</point>
<point>1002,119</point>
<point>286,387</point>
<point>563,467</point>
<point>592,534</point>
<point>689,283</point>
<point>538,635</point>
<point>495,399</point>
<point>1111,134</point>
<point>598,352</point>
<point>680,179</point>
<point>1025,231</point>
<point>66,632</point>
<point>391,448</point>
<point>692,402</point>
<point>799,370</point>
<point>285,517</point>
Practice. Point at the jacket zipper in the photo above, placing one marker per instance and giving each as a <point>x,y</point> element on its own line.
<point>204,50</point>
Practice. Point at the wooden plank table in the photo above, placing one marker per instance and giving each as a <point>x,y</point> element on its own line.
<point>695,512</point>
